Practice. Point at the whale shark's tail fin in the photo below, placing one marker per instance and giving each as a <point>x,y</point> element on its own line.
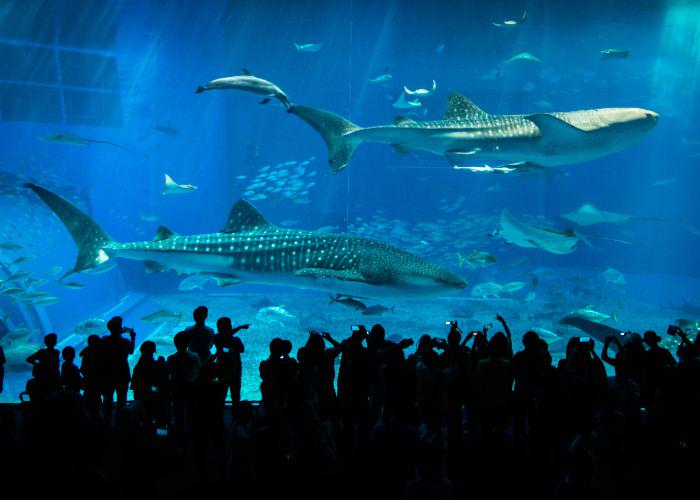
<point>335,131</point>
<point>89,237</point>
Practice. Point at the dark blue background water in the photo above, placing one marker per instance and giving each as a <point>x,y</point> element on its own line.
<point>164,50</point>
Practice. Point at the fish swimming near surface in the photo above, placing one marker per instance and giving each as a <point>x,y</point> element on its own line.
<point>309,47</point>
<point>348,302</point>
<point>421,92</point>
<point>527,236</point>
<point>76,140</point>
<point>511,23</point>
<point>172,187</point>
<point>466,134</point>
<point>247,82</point>
<point>614,54</point>
<point>166,129</point>
<point>250,249</point>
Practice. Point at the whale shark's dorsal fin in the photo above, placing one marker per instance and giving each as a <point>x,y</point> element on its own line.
<point>163,233</point>
<point>246,72</point>
<point>244,217</point>
<point>461,108</point>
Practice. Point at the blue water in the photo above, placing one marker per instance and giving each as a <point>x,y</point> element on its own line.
<point>113,70</point>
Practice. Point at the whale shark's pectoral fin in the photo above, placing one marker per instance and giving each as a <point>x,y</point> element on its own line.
<point>461,158</point>
<point>320,273</point>
<point>552,127</point>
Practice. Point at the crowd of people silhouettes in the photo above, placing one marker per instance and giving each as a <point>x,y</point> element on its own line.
<point>460,416</point>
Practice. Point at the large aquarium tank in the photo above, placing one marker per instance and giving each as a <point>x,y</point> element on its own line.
<point>402,162</point>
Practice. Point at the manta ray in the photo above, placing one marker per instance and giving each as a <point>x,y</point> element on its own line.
<point>544,238</point>
<point>467,134</point>
<point>588,215</point>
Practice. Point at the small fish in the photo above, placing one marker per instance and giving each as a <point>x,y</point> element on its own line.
<point>21,259</point>
<point>12,291</point>
<point>161,316</point>
<point>511,23</point>
<point>377,310</point>
<point>529,87</point>
<point>488,289</point>
<point>530,296</point>
<point>18,276</point>
<point>347,301</point>
<point>10,246</point>
<point>514,286</point>
<point>308,47</point>
<point>543,104</point>
<point>54,271</point>
<point>614,54</point>
<point>440,48</point>
<point>480,259</point>
<point>588,313</point>
<point>36,282</point>
<point>74,285</point>
<point>546,335</point>
<point>46,301</point>
<point>241,177</point>
<point>149,218</point>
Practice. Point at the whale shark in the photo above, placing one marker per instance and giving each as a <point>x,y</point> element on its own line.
<point>250,249</point>
<point>467,133</point>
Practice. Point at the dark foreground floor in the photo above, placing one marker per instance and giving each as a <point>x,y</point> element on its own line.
<point>67,457</point>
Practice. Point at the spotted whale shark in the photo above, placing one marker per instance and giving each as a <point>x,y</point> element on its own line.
<point>251,249</point>
<point>467,134</point>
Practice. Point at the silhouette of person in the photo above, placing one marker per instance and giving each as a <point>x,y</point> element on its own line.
<point>91,368</point>
<point>183,369</point>
<point>148,380</point>
<point>71,379</point>
<point>115,352</point>
<point>201,337</point>
<point>353,388</point>
<point>231,348</point>
<point>46,366</point>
